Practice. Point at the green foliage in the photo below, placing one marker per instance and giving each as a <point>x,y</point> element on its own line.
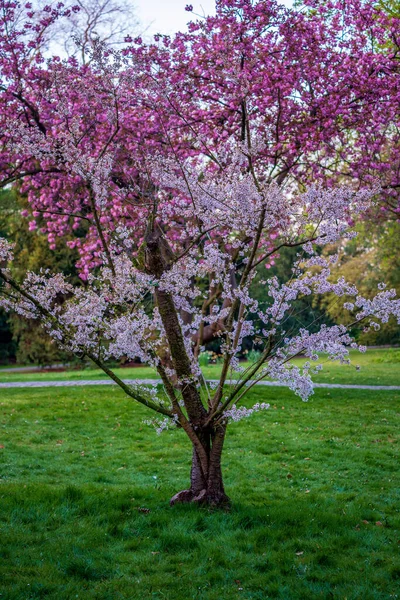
<point>253,356</point>
<point>34,346</point>
<point>31,344</point>
<point>84,495</point>
<point>304,313</point>
<point>204,359</point>
<point>370,258</point>
<point>7,345</point>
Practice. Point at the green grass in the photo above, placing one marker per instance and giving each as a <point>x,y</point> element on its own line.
<point>377,367</point>
<point>84,501</point>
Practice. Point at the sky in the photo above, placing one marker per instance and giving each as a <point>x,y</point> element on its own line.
<point>169,16</point>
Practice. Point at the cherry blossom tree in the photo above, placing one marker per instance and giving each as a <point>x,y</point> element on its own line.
<point>179,164</point>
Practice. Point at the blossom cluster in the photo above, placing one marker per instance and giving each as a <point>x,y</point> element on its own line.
<point>6,249</point>
<point>91,145</point>
<point>238,413</point>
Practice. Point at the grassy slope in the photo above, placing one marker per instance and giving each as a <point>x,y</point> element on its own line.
<point>377,367</point>
<point>304,479</point>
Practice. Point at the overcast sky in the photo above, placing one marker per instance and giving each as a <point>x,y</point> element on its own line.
<point>169,16</point>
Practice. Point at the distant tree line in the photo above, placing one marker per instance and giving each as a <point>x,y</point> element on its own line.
<point>372,257</point>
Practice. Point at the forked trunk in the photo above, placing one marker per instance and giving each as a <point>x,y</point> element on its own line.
<point>206,486</point>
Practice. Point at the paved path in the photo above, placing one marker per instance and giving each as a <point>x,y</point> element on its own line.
<point>33,368</point>
<point>83,382</point>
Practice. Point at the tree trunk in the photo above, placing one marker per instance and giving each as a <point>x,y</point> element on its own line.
<point>206,487</point>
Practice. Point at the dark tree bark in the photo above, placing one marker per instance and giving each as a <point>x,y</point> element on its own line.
<point>206,485</point>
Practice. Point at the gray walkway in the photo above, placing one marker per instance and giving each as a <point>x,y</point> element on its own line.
<point>83,382</point>
<point>33,368</point>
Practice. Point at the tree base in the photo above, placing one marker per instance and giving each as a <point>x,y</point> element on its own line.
<point>204,498</point>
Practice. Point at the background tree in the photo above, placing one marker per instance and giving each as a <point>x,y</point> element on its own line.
<point>371,257</point>
<point>108,21</point>
<point>7,346</point>
<point>21,339</point>
<point>84,22</point>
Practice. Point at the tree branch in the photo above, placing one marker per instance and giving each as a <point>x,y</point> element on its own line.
<point>83,352</point>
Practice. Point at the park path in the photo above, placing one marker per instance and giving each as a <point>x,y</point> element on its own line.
<point>84,382</point>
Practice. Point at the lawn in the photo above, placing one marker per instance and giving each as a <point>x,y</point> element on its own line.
<point>377,367</point>
<point>85,486</point>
